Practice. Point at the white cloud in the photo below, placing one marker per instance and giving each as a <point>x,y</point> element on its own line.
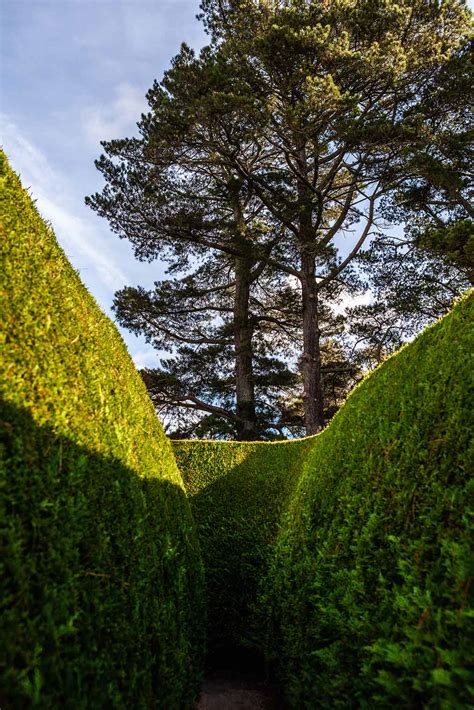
<point>28,160</point>
<point>90,249</point>
<point>351,301</point>
<point>145,358</point>
<point>80,238</point>
<point>116,119</point>
<point>78,235</point>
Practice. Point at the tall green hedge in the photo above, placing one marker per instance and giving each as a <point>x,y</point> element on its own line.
<point>347,557</point>
<point>238,492</point>
<point>370,588</point>
<point>101,576</point>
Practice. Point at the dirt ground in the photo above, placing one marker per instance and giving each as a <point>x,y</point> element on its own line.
<point>233,693</point>
<point>237,680</point>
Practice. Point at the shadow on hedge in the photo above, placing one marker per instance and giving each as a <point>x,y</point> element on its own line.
<point>92,578</point>
<point>237,518</point>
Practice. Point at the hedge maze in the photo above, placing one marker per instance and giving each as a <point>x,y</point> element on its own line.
<point>344,559</point>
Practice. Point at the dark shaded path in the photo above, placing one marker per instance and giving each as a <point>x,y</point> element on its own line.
<point>233,693</point>
<point>236,681</point>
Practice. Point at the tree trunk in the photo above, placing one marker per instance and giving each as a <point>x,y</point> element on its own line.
<point>243,332</point>
<point>312,382</point>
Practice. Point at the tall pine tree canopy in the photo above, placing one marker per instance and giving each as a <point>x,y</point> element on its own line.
<point>263,167</point>
<point>415,276</point>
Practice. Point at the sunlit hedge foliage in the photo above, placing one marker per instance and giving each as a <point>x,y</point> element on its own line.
<point>101,579</point>
<point>369,587</point>
<point>345,558</point>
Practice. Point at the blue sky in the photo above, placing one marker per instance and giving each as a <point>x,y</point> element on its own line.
<point>75,72</point>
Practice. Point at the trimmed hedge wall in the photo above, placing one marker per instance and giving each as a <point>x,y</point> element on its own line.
<point>101,578</point>
<point>370,583</point>
<point>363,601</point>
<point>237,494</point>
<point>346,558</point>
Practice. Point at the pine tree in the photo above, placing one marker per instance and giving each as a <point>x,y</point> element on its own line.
<point>411,288</point>
<point>192,318</point>
<point>335,93</point>
<point>274,148</point>
<point>415,278</point>
<point>174,196</point>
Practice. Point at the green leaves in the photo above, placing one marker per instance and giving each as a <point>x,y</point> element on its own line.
<point>354,546</point>
<point>101,578</point>
<point>368,594</point>
<point>238,492</point>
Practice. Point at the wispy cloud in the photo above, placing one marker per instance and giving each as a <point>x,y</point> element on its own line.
<point>79,236</point>
<point>146,358</point>
<point>75,233</point>
<point>352,301</point>
<point>116,118</point>
<point>83,79</point>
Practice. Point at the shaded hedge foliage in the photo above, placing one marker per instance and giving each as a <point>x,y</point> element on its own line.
<point>101,578</point>
<point>363,600</point>
<point>237,493</point>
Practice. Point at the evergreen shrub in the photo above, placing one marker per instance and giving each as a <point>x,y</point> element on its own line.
<point>101,575</point>
<point>237,493</point>
<point>346,558</point>
<point>369,586</point>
